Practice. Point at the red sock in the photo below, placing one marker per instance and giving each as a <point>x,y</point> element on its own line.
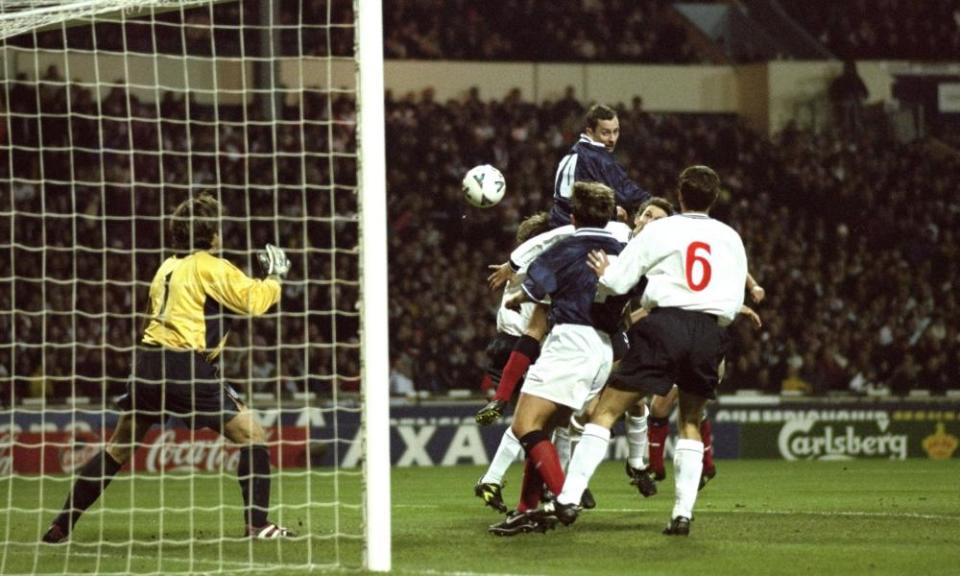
<point>657,431</point>
<point>706,435</point>
<point>531,490</point>
<point>543,454</point>
<point>524,353</point>
<point>486,384</point>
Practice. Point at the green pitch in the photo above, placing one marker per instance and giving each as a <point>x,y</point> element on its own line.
<point>757,517</point>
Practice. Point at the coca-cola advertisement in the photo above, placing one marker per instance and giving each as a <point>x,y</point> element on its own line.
<point>163,449</point>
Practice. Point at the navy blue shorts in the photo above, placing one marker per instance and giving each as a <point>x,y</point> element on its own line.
<point>673,346</point>
<point>181,384</point>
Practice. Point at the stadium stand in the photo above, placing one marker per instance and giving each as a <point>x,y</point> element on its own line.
<point>855,240</point>
<point>883,29</point>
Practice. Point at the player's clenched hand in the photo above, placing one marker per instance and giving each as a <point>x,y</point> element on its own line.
<point>597,261</point>
<point>514,302</point>
<point>502,273</point>
<point>757,293</point>
<point>752,315</point>
<point>274,261</point>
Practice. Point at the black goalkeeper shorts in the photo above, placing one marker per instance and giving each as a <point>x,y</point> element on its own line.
<point>673,346</point>
<point>180,384</point>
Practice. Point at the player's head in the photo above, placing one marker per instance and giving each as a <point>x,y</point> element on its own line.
<point>603,125</point>
<point>593,205</point>
<point>533,226</point>
<point>653,209</point>
<point>698,188</point>
<point>195,224</point>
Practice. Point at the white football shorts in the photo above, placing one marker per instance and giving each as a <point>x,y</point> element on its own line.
<point>574,362</point>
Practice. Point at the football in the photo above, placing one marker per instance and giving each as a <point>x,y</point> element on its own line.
<point>484,186</point>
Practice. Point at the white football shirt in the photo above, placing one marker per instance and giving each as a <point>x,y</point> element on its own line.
<point>524,254</point>
<point>515,323</point>
<point>691,261</point>
<point>509,321</point>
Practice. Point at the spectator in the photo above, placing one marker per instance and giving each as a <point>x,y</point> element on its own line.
<point>847,94</point>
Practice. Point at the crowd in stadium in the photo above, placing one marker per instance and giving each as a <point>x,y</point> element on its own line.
<point>592,30</point>
<point>854,240</point>
<point>883,29</point>
<point>107,176</point>
<point>853,237</point>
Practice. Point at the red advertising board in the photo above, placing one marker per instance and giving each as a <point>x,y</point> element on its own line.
<point>172,449</point>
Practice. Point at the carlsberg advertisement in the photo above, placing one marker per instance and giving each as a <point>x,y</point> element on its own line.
<point>809,433</point>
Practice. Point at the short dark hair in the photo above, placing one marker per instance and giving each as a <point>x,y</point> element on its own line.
<point>593,204</point>
<point>661,203</point>
<point>195,222</point>
<point>698,187</point>
<point>599,112</point>
<point>533,226</point>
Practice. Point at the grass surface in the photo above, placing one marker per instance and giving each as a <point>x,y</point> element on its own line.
<point>757,517</point>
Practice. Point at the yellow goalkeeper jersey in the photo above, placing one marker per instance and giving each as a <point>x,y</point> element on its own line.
<point>187,300</point>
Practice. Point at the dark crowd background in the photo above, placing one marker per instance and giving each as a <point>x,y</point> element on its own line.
<point>853,234</point>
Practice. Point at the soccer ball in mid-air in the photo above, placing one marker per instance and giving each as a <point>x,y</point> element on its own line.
<point>483,186</point>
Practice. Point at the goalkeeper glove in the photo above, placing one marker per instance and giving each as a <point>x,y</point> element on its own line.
<point>274,261</point>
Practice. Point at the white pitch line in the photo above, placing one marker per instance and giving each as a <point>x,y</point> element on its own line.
<point>800,512</point>
<point>853,513</point>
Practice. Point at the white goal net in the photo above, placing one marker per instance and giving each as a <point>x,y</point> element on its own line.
<point>112,113</point>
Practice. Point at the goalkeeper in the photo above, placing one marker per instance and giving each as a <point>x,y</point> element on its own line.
<point>176,371</point>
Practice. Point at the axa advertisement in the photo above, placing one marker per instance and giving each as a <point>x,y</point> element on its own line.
<point>54,442</point>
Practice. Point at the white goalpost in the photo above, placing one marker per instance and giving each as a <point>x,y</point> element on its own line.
<point>113,112</point>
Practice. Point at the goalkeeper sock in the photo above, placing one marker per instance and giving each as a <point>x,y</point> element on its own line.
<point>93,479</point>
<point>253,473</point>
<point>525,353</point>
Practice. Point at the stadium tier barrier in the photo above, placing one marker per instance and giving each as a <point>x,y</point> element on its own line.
<point>445,434</point>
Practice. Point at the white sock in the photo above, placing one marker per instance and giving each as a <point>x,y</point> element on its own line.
<point>575,431</point>
<point>590,452</point>
<point>561,441</point>
<point>508,451</point>
<point>566,440</point>
<point>687,466</point>
<point>637,441</point>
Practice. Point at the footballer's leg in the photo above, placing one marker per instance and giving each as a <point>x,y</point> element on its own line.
<point>590,452</point>
<point>253,473</point>
<point>489,487</point>
<point>687,463</point>
<point>635,422</point>
<point>533,422</point>
<point>706,436</point>
<point>524,353</point>
<point>658,429</point>
<point>97,474</point>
